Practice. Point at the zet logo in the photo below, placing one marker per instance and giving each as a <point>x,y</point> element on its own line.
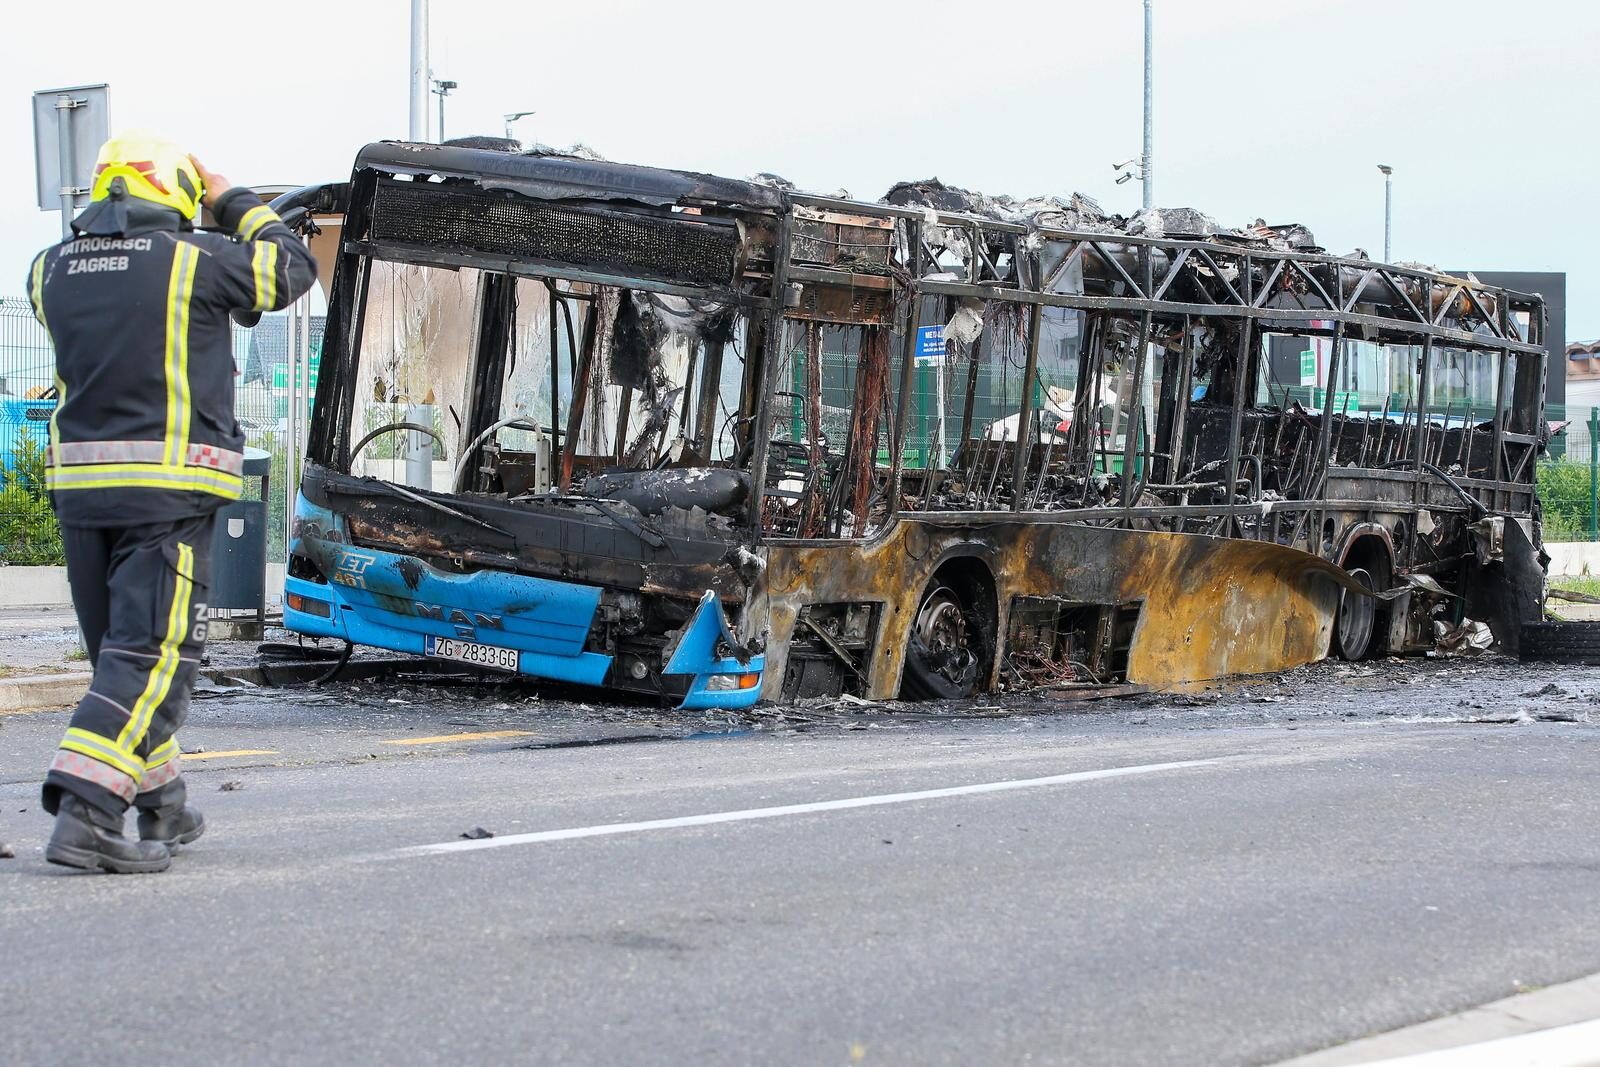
<point>352,570</point>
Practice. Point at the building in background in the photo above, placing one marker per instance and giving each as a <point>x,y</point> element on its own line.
<point>1583,374</point>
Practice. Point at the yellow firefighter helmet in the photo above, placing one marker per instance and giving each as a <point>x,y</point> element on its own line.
<point>152,169</point>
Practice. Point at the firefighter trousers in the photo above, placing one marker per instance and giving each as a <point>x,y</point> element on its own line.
<point>140,595</point>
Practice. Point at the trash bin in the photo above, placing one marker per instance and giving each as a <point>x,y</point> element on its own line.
<point>239,546</point>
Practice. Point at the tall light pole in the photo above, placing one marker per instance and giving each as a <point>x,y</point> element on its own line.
<point>1147,161</point>
<point>441,89</point>
<point>513,116</point>
<point>1388,203</point>
<point>418,128</point>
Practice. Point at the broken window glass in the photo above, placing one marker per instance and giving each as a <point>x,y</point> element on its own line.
<point>413,374</point>
<point>636,397</point>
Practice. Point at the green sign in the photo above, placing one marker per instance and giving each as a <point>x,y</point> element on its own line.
<point>1308,367</point>
<point>280,373</point>
<point>1343,403</point>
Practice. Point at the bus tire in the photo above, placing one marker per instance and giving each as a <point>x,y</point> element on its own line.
<point>1357,618</point>
<point>1560,642</point>
<point>950,647</point>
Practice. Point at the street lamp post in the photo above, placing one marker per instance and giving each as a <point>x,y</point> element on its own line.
<point>1147,162</point>
<point>418,128</point>
<point>441,89</point>
<point>513,116</point>
<point>1388,202</point>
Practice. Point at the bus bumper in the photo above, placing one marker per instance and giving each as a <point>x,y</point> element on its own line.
<point>397,602</point>
<point>707,651</point>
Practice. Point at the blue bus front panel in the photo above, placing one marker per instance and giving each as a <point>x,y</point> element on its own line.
<point>396,601</point>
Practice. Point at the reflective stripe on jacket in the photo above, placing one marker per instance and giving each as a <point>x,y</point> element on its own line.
<point>144,429</point>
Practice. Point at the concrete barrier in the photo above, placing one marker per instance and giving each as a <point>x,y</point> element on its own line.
<point>46,587</point>
<point>1574,558</point>
<point>34,587</point>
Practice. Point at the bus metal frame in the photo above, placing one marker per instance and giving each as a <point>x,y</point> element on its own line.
<point>915,581</point>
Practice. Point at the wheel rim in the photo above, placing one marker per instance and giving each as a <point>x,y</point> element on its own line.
<point>1356,615</point>
<point>942,630</point>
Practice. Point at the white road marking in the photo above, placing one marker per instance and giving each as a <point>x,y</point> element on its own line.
<point>748,814</point>
<point>1577,1045</point>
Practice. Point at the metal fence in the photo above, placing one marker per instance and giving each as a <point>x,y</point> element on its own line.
<point>1569,476</point>
<point>262,358</point>
<point>28,533</point>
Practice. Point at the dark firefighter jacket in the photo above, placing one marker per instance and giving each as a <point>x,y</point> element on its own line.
<point>143,429</point>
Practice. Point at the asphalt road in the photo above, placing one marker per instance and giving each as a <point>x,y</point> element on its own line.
<point>1349,851</point>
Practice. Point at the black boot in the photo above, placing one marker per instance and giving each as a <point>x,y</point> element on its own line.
<point>171,826</point>
<point>85,839</point>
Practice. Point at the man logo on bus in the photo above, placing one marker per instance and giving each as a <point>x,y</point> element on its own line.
<point>466,625</point>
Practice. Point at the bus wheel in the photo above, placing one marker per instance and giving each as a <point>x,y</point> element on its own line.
<point>1352,632</point>
<point>945,655</point>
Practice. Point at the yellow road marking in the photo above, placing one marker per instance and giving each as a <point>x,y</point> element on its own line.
<point>188,757</point>
<point>442,738</point>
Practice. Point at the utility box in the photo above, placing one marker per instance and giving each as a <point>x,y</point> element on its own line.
<point>239,545</point>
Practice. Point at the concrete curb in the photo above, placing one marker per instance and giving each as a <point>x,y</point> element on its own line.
<point>42,691</point>
<point>1488,1034</point>
<point>60,692</point>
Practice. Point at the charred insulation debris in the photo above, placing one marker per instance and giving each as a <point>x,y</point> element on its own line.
<point>1082,214</point>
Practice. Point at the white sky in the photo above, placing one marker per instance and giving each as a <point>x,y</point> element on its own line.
<point>1271,108</point>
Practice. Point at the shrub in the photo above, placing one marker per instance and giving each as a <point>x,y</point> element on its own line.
<point>28,531</point>
<point>1564,490</point>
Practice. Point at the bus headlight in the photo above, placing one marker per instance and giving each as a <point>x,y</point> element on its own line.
<point>309,605</point>
<point>724,682</point>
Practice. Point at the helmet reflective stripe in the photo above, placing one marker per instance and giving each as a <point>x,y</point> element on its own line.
<point>151,169</point>
<point>74,453</point>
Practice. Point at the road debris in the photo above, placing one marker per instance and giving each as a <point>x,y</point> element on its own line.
<point>477,833</point>
<point>206,688</point>
<point>1571,596</point>
<point>1467,639</point>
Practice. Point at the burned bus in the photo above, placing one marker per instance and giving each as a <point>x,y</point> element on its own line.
<point>721,440</point>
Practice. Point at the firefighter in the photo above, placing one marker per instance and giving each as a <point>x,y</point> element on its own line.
<point>143,450</point>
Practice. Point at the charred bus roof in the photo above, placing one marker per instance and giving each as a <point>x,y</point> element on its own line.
<point>556,177</point>
<point>560,216</point>
<point>680,231</point>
